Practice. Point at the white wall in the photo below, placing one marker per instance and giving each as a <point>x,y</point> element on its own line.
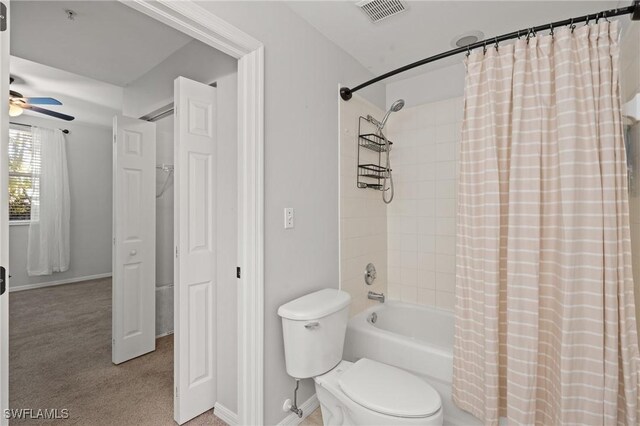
<point>227,244</point>
<point>154,90</point>
<point>421,220</point>
<point>89,161</point>
<point>196,61</point>
<point>363,214</point>
<point>302,73</point>
<point>630,85</point>
<point>437,85</point>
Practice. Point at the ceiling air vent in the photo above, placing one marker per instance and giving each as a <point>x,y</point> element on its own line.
<point>377,10</point>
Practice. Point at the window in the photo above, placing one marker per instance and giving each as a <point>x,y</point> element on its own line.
<point>24,169</point>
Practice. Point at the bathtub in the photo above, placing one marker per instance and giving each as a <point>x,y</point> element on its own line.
<point>412,337</point>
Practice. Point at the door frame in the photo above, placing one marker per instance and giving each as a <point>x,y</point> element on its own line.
<point>4,213</point>
<point>199,23</point>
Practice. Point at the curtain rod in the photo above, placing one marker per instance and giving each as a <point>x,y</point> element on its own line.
<point>346,93</point>
<point>65,131</point>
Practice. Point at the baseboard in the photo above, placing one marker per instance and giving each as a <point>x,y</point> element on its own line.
<point>307,407</point>
<point>224,414</point>
<point>168,333</point>
<point>58,282</point>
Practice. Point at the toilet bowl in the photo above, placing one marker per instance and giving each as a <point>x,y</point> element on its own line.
<point>372,393</point>
<point>362,393</point>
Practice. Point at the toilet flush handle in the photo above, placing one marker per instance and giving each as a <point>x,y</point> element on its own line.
<point>311,325</point>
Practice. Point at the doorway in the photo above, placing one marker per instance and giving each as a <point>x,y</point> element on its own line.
<point>248,269</point>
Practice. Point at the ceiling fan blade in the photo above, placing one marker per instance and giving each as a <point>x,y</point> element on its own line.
<point>43,101</point>
<point>48,112</point>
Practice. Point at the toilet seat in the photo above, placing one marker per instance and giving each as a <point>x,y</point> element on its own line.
<point>389,390</point>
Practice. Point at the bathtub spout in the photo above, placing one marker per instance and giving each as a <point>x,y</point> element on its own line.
<point>376,296</point>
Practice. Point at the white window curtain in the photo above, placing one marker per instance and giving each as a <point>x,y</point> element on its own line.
<point>48,248</point>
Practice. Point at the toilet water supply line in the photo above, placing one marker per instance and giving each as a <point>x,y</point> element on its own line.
<point>294,408</point>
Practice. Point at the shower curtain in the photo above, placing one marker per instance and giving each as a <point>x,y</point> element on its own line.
<point>545,324</point>
<point>48,247</point>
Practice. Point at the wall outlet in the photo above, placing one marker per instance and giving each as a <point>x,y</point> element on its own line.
<point>288,218</point>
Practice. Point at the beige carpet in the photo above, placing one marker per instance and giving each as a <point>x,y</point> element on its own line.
<point>60,357</point>
<point>314,419</point>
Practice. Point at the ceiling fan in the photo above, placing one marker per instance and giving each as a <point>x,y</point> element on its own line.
<point>18,103</point>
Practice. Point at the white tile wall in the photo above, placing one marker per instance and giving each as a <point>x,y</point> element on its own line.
<point>421,220</point>
<point>363,219</point>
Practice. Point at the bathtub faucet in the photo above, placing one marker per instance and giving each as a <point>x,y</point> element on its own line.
<point>376,296</point>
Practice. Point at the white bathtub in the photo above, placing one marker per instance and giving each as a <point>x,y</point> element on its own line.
<point>412,337</point>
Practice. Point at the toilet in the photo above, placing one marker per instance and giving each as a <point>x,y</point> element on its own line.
<point>364,392</point>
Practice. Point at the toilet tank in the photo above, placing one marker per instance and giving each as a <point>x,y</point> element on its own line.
<point>314,327</point>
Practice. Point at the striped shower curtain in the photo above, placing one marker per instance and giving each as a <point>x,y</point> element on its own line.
<point>545,322</point>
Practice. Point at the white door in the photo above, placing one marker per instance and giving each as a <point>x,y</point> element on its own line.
<point>4,209</point>
<point>134,238</point>
<point>195,239</point>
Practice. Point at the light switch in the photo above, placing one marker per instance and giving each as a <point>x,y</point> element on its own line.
<point>288,218</point>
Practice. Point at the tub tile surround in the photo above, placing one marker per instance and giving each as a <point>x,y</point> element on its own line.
<point>363,220</point>
<point>412,240</point>
<point>421,221</point>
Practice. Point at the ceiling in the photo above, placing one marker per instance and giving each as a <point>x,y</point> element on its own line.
<point>428,27</point>
<point>89,100</point>
<point>106,40</point>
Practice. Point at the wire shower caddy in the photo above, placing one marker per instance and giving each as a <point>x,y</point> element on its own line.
<point>371,174</point>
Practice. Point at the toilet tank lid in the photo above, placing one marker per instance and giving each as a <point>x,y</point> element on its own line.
<point>315,305</point>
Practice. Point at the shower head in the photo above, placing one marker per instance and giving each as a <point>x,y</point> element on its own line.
<point>395,107</point>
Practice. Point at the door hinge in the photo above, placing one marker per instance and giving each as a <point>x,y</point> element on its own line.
<point>4,18</point>
<point>177,392</point>
<point>238,271</point>
<point>114,138</point>
<point>114,241</point>
<point>3,280</point>
<point>177,252</point>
